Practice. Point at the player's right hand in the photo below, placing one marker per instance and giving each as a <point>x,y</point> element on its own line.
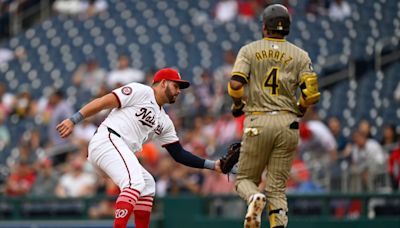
<point>237,109</point>
<point>309,90</point>
<point>65,128</point>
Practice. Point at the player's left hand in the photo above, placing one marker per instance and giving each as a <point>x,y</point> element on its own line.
<point>217,167</point>
<point>65,128</point>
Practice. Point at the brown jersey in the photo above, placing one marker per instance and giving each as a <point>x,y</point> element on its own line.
<point>272,69</point>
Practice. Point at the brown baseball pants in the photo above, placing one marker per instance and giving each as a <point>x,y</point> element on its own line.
<point>269,143</point>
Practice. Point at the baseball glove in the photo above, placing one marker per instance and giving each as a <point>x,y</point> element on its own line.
<point>230,158</point>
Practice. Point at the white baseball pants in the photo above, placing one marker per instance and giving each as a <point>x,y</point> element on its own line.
<point>112,155</point>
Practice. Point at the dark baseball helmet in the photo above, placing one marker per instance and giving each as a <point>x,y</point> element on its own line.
<point>276,19</point>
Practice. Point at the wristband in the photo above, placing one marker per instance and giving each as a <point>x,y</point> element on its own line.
<point>209,164</point>
<point>76,118</point>
<point>238,93</point>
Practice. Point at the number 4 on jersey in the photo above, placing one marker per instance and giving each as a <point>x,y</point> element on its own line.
<point>272,81</point>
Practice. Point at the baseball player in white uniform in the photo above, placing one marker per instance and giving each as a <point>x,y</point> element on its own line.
<point>137,116</point>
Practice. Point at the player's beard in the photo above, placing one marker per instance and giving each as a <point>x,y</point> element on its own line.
<point>171,98</point>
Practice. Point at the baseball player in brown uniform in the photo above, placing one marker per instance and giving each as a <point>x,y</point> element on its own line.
<point>272,69</point>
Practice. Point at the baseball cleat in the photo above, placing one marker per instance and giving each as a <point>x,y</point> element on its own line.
<point>254,211</point>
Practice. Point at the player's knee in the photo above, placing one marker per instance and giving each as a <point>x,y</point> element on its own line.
<point>278,187</point>
<point>137,184</point>
<point>152,186</point>
<point>150,189</point>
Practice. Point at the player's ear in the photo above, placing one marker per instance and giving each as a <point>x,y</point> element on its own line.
<point>264,31</point>
<point>164,83</point>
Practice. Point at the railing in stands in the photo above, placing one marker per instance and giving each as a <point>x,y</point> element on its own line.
<point>348,71</point>
<point>381,58</point>
<point>17,17</point>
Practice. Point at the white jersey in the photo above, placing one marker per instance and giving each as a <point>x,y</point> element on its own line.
<point>165,132</point>
<point>139,117</point>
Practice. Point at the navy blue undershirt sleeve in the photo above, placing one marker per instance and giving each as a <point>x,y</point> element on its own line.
<point>183,156</point>
<point>239,79</point>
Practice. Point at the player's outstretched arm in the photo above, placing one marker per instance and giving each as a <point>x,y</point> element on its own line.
<point>184,157</point>
<point>108,101</point>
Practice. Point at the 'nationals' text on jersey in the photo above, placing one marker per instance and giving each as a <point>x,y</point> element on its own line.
<point>139,118</point>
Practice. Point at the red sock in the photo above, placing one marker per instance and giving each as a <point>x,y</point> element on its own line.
<point>142,219</point>
<point>142,211</point>
<point>123,208</point>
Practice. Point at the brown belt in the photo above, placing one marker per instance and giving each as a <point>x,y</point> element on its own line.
<point>270,112</point>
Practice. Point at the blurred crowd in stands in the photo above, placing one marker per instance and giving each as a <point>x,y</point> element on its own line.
<point>80,8</point>
<point>40,163</point>
<point>25,10</point>
<point>227,10</point>
<point>224,10</point>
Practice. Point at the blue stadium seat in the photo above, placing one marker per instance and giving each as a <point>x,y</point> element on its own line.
<point>338,99</point>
